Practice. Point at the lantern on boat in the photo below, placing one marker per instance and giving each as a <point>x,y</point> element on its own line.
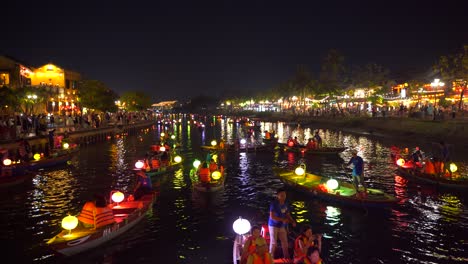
<point>241,226</point>
<point>215,157</point>
<point>453,167</point>
<point>37,156</point>
<point>196,163</point>
<point>332,184</point>
<point>243,141</point>
<point>290,143</point>
<point>400,162</point>
<point>299,171</point>
<point>139,164</point>
<point>216,175</point>
<point>162,134</point>
<point>118,197</point>
<point>7,162</point>
<point>213,142</point>
<point>66,145</point>
<point>162,149</point>
<point>177,159</point>
<point>69,223</point>
<point>172,136</point>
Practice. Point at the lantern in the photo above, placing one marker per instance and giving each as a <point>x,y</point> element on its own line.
<point>213,142</point>
<point>139,164</point>
<point>216,175</point>
<point>172,136</point>
<point>290,144</point>
<point>69,222</point>
<point>37,156</point>
<point>118,197</point>
<point>162,134</point>
<point>243,141</point>
<point>332,184</point>
<point>400,162</point>
<point>196,163</point>
<point>7,162</point>
<point>453,167</point>
<point>177,159</point>
<point>241,226</point>
<point>66,145</point>
<point>299,171</point>
<point>162,149</point>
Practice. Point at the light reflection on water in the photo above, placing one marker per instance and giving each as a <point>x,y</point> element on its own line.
<point>426,226</point>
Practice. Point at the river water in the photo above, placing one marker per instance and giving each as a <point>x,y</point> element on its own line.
<point>428,225</point>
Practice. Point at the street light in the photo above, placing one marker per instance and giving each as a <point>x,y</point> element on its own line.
<point>32,97</point>
<point>436,83</point>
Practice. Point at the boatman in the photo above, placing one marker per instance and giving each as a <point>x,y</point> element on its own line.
<point>358,171</point>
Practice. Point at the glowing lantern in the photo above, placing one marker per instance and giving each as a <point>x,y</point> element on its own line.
<point>69,222</point>
<point>162,149</point>
<point>290,144</point>
<point>139,164</point>
<point>216,175</point>
<point>66,145</point>
<point>215,157</point>
<point>243,141</point>
<point>196,163</point>
<point>241,226</point>
<point>172,136</point>
<point>7,162</point>
<point>118,197</point>
<point>332,184</point>
<point>453,167</point>
<point>162,134</point>
<point>299,171</point>
<point>213,142</point>
<point>400,162</point>
<point>37,156</point>
<point>177,159</point>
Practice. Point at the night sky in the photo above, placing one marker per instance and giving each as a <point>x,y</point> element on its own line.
<point>180,49</point>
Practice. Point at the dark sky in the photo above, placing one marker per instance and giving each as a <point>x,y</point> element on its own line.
<point>178,49</point>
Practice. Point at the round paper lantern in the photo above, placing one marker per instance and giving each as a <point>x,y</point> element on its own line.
<point>213,142</point>
<point>196,163</point>
<point>400,162</point>
<point>139,164</point>
<point>241,226</point>
<point>177,159</point>
<point>66,145</point>
<point>216,175</point>
<point>37,156</point>
<point>162,134</point>
<point>243,141</point>
<point>453,167</point>
<point>69,222</point>
<point>7,162</point>
<point>332,184</point>
<point>299,171</point>
<point>118,197</point>
<point>172,136</point>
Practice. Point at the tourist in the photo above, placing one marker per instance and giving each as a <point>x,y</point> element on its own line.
<point>304,241</point>
<point>250,245</point>
<point>358,171</point>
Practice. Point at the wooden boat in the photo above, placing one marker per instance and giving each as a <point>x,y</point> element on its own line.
<point>163,169</point>
<point>316,186</point>
<point>126,215</point>
<point>212,186</point>
<point>322,150</point>
<point>455,181</point>
<point>241,148</point>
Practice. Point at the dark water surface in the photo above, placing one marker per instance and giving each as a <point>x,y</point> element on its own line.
<point>428,225</point>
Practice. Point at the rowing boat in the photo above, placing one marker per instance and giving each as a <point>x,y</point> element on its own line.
<point>321,150</point>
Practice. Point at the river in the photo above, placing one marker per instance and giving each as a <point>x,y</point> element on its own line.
<point>428,225</point>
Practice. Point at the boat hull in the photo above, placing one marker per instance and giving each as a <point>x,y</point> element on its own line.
<point>432,179</point>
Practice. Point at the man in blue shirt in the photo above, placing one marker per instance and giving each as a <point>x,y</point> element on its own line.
<point>358,171</point>
<point>278,221</point>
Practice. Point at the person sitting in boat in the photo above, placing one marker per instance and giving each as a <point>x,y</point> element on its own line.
<point>313,256</point>
<point>304,241</point>
<point>417,157</point>
<point>296,142</point>
<point>318,139</point>
<point>204,173</point>
<point>358,171</point>
<point>95,213</point>
<point>311,144</point>
<point>143,185</point>
<point>222,145</point>
<point>267,134</point>
<point>250,245</point>
<point>429,167</point>
<point>261,254</point>
<point>213,166</point>
<point>165,158</point>
<point>155,162</point>
<point>24,150</point>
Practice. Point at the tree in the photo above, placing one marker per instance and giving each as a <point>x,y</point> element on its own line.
<point>95,94</point>
<point>371,75</point>
<point>8,99</point>
<point>332,73</point>
<point>136,101</point>
<point>454,67</point>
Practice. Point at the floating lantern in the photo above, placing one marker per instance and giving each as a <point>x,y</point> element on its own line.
<point>215,157</point>
<point>139,164</point>
<point>213,142</point>
<point>453,167</point>
<point>332,184</point>
<point>118,197</point>
<point>69,222</point>
<point>162,149</point>
<point>299,171</point>
<point>400,162</point>
<point>177,159</point>
<point>162,134</point>
<point>172,136</point>
<point>7,162</point>
<point>243,141</point>
<point>216,175</point>
<point>37,156</point>
<point>66,145</point>
<point>196,163</point>
<point>241,226</point>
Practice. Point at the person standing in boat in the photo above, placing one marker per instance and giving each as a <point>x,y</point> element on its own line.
<point>278,221</point>
<point>318,139</point>
<point>358,171</point>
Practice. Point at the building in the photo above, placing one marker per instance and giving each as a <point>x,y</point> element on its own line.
<point>13,73</point>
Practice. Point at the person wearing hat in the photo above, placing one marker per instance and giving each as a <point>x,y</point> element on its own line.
<point>261,254</point>
<point>143,185</point>
<point>358,171</point>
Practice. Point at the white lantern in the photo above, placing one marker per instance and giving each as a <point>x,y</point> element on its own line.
<point>299,171</point>
<point>243,141</point>
<point>139,164</point>
<point>332,184</point>
<point>241,226</point>
<point>118,197</point>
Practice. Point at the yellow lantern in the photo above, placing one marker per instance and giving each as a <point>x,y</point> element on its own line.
<point>213,142</point>
<point>196,163</point>
<point>37,156</point>
<point>162,149</point>
<point>332,184</point>
<point>453,167</point>
<point>162,134</point>
<point>400,162</point>
<point>216,175</point>
<point>177,159</point>
<point>299,171</point>
<point>69,222</point>
<point>7,162</point>
<point>118,197</point>
<point>66,145</point>
<point>172,136</point>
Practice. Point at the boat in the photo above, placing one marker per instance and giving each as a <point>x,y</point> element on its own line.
<point>322,150</point>
<point>78,238</point>
<point>330,189</point>
<point>156,164</point>
<point>9,176</point>
<point>454,181</point>
<point>216,178</point>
